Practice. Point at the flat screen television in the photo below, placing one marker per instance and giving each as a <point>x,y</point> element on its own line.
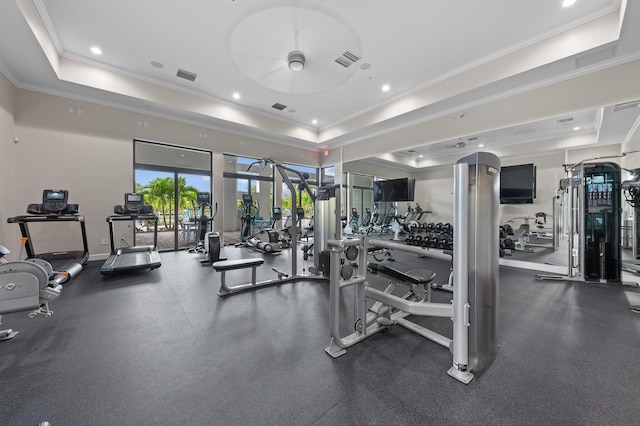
<point>393,190</point>
<point>518,184</point>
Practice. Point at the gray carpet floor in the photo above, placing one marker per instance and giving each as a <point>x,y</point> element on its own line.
<point>161,348</point>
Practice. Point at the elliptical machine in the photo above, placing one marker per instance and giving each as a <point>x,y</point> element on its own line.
<point>204,222</point>
<point>27,285</point>
<point>247,217</point>
<point>285,240</point>
<point>270,244</point>
<point>209,242</point>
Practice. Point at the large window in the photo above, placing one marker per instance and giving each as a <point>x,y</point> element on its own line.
<point>303,198</point>
<point>170,177</point>
<point>362,194</point>
<point>245,175</point>
<point>328,175</point>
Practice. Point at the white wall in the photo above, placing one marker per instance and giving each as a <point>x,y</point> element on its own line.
<point>8,233</point>
<point>369,168</point>
<point>434,193</point>
<point>632,160</point>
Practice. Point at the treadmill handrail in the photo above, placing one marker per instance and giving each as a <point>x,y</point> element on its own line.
<point>46,218</point>
<point>24,220</point>
<point>132,217</point>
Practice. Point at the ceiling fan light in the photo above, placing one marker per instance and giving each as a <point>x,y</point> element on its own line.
<point>296,60</point>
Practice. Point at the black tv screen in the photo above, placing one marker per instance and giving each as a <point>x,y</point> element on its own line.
<point>518,184</point>
<point>378,196</point>
<point>392,190</point>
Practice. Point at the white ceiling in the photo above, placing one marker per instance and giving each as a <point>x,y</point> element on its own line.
<point>437,58</point>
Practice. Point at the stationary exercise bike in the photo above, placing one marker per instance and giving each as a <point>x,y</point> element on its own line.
<point>27,285</point>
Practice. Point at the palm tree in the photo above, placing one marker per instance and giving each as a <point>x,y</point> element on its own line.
<point>160,194</point>
<point>188,194</point>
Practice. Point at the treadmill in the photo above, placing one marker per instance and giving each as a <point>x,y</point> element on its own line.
<point>55,208</point>
<point>134,257</point>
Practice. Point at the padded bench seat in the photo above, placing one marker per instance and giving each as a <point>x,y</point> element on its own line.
<point>223,266</point>
<point>230,265</point>
<point>415,276</point>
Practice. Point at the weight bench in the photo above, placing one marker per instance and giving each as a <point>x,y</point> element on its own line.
<point>223,266</point>
<point>415,276</point>
<point>419,280</point>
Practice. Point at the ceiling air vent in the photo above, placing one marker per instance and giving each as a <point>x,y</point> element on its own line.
<point>278,106</point>
<point>472,138</point>
<point>565,120</point>
<point>347,59</point>
<point>626,105</point>
<point>186,75</point>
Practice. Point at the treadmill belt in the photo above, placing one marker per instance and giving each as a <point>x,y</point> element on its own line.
<point>132,260</point>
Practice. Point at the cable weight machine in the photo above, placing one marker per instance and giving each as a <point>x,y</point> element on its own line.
<point>594,197</point>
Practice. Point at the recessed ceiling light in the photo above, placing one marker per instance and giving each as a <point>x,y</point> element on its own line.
<point>576,128</point>
<point>567,3</point>
<point>314,121</point>
<point>96,50</point>
<point>420,156</point>
<point>481,145</point>
<point>385,88</point>
<point>236,95</point>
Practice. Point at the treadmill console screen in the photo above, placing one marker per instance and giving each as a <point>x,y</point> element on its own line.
<point>133,202</point>
<point>54,200</point>
<point>204,199</point>
<point>247,199</point>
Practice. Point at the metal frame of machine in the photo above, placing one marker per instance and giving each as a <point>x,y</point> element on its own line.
<point>135,257</point>
<point>55,208</point>
<point>474,307</point>
<point>589,260</point>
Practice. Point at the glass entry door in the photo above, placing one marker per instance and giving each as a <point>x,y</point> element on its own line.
<point>191,223</point>
<point>170,178</point>
<point>158,190</point>
<point>174,198</point>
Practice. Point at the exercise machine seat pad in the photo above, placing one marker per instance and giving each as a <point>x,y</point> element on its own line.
<point>415,276</point>
<point>229,265</point>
